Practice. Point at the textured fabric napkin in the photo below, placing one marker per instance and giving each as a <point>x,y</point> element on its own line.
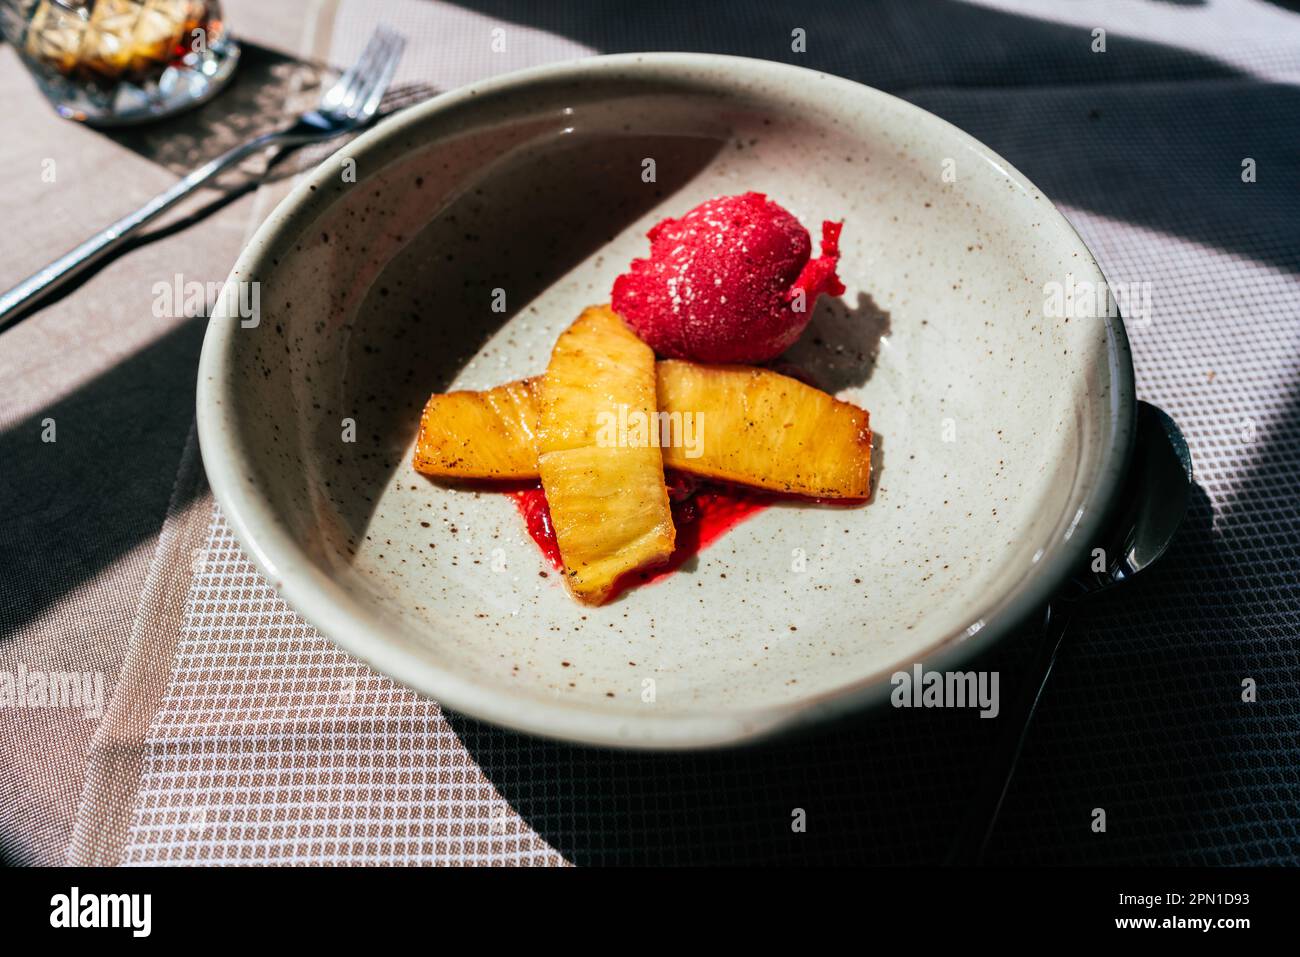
<point>233,733</point>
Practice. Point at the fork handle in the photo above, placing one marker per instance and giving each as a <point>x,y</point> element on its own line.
<point>46,281</point>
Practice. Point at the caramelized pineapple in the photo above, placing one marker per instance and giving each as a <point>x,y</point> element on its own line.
<point>609,509</point>
<point>751,426</point>
<point>597,365</point>
<point>480,435</point>
<point>837,467</point>
<point>765,429</point>
<point>608,501</point>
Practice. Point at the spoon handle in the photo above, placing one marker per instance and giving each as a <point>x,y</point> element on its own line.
<point>982,813</point>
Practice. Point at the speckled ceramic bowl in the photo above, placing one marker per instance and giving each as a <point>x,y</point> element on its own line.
<point>1001,432</point>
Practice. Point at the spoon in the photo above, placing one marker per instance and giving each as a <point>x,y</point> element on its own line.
<point>1154,502</point>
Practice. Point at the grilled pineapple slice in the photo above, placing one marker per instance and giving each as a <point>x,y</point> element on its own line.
<point>765,429</point>
<point>609,509</point>
<point>480,435</point>
<point>742,415</point>
<point>608,502</point>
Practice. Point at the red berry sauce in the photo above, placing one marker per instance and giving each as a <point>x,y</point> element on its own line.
<point>702,511</point>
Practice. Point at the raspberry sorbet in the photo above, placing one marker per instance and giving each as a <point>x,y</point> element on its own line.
<point>731,281</point>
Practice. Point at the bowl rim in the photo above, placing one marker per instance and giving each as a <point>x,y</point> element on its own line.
<point>319,600</point>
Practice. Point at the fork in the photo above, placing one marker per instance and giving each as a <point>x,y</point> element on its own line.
<point>350,103</point>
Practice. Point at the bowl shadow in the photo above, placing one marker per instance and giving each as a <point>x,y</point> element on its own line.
<point>480,263</point>
<point>841,345</point>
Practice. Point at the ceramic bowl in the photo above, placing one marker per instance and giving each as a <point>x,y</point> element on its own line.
<point>1002,431</point>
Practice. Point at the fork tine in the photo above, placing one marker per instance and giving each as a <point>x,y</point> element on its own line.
<point>383,76</point>
<point>377,77</point>
<point>334,97</point>
<point>366,70</point>
<point>372,55</point>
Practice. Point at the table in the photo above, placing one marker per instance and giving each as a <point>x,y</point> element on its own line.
<point>223,738</point>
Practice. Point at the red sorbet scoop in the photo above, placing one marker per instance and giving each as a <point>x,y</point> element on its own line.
<point>722,283</point>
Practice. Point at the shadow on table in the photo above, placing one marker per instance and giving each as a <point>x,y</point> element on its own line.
<point>69,509</point>
<point>1190,128</point>
<point>1149,726</point>
<point>889,787</point>
<point>1146,718</point>
<point>882,788</point>
<point>72,507</point>
<point>254,102</point>
<point>268,89</point>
